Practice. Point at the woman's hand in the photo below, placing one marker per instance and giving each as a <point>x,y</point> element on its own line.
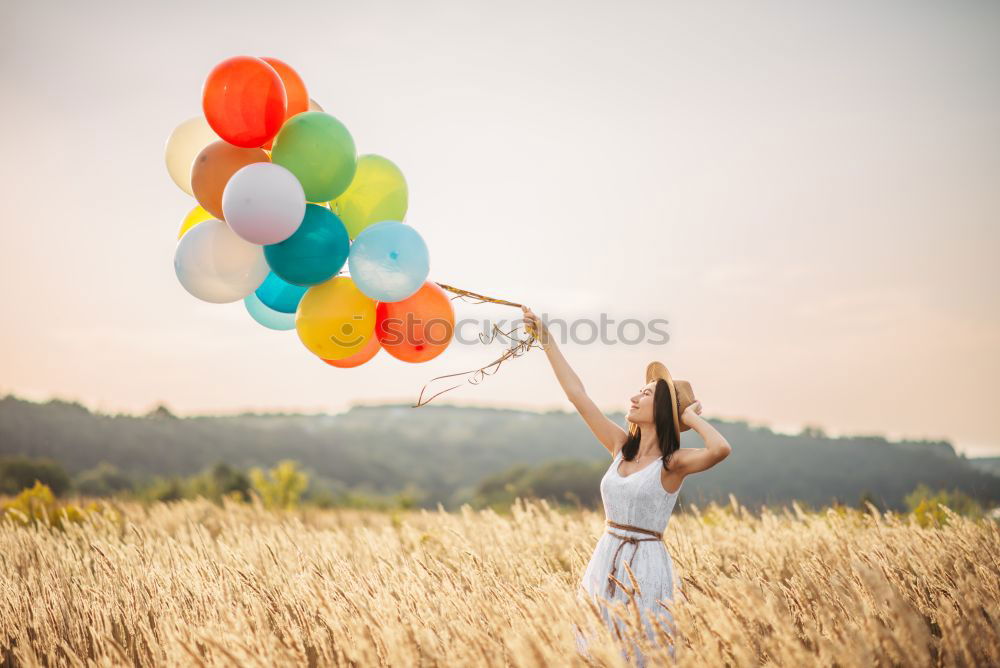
<point>534,325</point>
<point>690,412</point>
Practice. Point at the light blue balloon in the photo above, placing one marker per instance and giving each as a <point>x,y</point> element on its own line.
<point>389,261</point>
<point>280,295</point>
<point>268,316</point>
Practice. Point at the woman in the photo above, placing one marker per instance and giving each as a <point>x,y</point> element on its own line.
<point>638,495</point>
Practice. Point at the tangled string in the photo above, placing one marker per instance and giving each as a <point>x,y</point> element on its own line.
<point>476,376</point>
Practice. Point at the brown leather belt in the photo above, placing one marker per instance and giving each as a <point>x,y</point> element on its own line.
<point>626,539</point>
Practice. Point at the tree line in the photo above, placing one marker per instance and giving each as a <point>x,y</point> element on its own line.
<point>448,455</point>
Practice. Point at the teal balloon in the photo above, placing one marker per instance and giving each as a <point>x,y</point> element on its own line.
<point>315,253</point>
<point>389,261</point>
<point>267,316</point>
<point>279,294</point>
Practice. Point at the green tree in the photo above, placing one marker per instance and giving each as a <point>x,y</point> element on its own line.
<point>219,481</point>
<point>282,486</point>
<point>926,505</point>
<point>229,481</point>
<point>18,473</point>
<point>165,489</point>
<point>812,431</point>
<point>103,480</point>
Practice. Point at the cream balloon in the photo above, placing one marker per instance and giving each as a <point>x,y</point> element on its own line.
<point>183,146</point>
<point>264,203</point>
<point>314,105</point>
<point>215,265</point>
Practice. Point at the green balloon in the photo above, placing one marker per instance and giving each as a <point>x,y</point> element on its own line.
<point>319,150</point>
<point>377,193</point>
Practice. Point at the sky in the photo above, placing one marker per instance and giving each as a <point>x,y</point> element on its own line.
<point>807,194</point>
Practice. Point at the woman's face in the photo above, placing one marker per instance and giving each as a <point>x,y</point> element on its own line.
<point>641,405</point>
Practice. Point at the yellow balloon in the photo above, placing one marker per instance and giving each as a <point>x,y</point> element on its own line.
<point>335,319</point>
<point>195,216</point>
<point>377,193</point>
<point>183,146</point>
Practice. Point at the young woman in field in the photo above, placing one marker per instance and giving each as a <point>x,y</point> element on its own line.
<point>638,494</point>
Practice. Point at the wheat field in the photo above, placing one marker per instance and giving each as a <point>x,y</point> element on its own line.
<point>195,583</point>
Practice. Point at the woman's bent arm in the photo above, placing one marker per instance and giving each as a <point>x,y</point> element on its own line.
<point>609,433</point>
<point>716,447</point>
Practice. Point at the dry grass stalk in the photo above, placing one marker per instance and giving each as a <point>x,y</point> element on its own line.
<point>191,583</point>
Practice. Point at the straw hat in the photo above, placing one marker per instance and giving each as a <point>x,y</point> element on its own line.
<point>681,394</point>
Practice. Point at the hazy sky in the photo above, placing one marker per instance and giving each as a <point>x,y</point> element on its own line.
<point>809,194</point>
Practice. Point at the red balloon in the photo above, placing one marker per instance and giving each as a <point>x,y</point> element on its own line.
<point>295,89</point>
<point>357,359</point>
<point>418,328</point>
<point>244,101</point>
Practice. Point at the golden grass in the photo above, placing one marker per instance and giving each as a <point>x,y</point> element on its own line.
<point>191,583</point>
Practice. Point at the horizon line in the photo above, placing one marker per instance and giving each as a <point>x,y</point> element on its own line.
<point>823,433</point>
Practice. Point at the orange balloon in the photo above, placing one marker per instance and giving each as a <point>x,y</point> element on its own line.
<point>295,89</point>
<point>418,328</point>
<point>357,359</point>
<point>212,168</point>
<point>244,101</point>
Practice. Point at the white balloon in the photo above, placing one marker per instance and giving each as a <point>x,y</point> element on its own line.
<point>264,203</point>
<point>215,265</point>
<point>183,146</point>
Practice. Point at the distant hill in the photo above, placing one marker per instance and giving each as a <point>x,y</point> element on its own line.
<point>987,464</point>
<point>449,453</point>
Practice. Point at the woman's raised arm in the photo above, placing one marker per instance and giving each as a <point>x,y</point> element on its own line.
<point>717,448</point>
<point>609,433</point>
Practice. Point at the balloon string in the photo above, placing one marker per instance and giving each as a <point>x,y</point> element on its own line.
<point>465,293</point>
<point>476,376</point>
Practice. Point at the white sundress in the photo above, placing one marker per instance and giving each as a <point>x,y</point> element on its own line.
<point>638,500</point>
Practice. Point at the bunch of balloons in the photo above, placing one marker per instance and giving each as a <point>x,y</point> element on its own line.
<point>284,202</point>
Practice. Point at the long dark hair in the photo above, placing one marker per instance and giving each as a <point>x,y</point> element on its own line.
<point>663,418</point>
